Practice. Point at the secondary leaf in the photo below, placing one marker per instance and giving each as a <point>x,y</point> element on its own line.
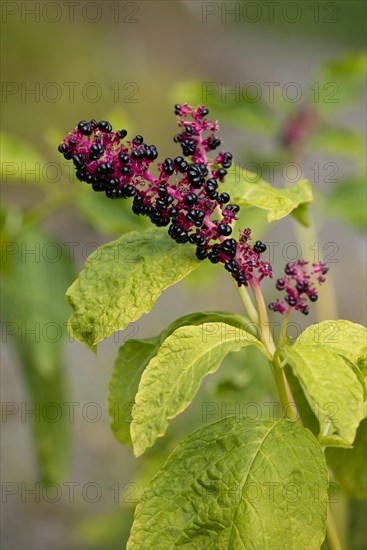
<point>237,484</point>
<point>129,366</point>
<point>17,157</point>
<point>35,313</point>
<point>347,200</point>
<point>243,108</point>
<point>301,214</point>
<point>327,359</point>
<point>339,83</point>
<point>338,141</point>
<point>122,280</point>
<point>307,415</point>
<point>349,466</point>
<point>344,338</point>
<point>36,270</point>
<point>110,217</point>
<point>132,359</point>
<point>173,376</point>
<point>246,189</point>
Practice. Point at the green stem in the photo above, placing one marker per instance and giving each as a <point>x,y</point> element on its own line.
<point>264,326</point>
<point>283,330</point>
<point>247,302</point>
<point>331,538</point>
<point>283,390</point>
<point>267,339</point>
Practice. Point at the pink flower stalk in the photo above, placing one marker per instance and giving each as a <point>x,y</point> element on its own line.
<point>299,285</point>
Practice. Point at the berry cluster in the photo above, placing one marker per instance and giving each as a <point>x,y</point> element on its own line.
<point>185,196</point>
<point>299,284</point>
<point>103,161</point>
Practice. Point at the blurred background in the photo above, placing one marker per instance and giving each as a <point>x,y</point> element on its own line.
<point>286,82</point>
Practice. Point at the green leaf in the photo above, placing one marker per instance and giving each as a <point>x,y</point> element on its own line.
<point>344,337</point>
<point>328,360</point>
<point>122,280</point>
<point>307,415</point>
<point>36,270</point>
<point>129,366</point>
<point>173,376</point>
<point>301,214</point>
<point>246,189</point>
<point>237,484</point>
<point>18,156</point>
<point>340,83</point>
<point>109,217</point>
<point>132,359</point>
<point>47,395</point>
<point>347,200</point>
<point>243,108</point>
<point>349,466</point>
<point>200,317</point>
<point>342,142</point>
<point>109,529</point>
<point>35,313</point>
<point>333,140</point>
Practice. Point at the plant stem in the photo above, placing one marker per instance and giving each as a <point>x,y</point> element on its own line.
<point>283,330</point>
<point>264,326</point>
<point>247,302</point>
<point>283,389</point>
<point>267,339</point>
<point>289,411</point>
<point>331,538</point>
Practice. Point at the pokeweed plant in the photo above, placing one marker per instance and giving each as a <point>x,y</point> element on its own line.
<point>211,491</point>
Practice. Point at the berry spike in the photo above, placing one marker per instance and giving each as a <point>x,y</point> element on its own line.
<point>184,195</point>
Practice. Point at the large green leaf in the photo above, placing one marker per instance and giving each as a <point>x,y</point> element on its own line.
<point>328,361</point>
<point>174,374</point>
<point>35,313</point>
<point>122,280</point>
<point>349,466</point>
<point>246,189</point>
<point>132,359</point>
<point>237,484</point>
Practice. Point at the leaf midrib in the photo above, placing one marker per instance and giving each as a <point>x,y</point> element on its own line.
<point>246,478</point>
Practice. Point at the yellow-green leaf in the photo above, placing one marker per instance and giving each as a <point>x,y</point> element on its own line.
<point>349,466</point>
<point>122,280</point>
<point>328,361</point>
<point>134,356</point>
<point>174,374</point>
<point>246,189</point>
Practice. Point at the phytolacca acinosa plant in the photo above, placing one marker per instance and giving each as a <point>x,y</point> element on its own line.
<point>184,195</point>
